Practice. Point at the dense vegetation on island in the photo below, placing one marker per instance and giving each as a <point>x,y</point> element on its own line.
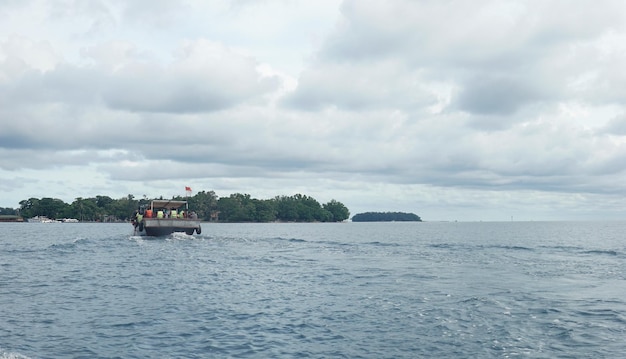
<point>8,211</point>
<point>386,217</point>
<point>234,208</point>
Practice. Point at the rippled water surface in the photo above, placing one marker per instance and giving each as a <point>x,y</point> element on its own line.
<point>351,290</point>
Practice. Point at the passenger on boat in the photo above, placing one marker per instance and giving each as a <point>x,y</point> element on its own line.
<point>133,219</point>
<point>137,218</point>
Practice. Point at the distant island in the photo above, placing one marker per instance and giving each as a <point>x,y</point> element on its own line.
<point>386,217</point>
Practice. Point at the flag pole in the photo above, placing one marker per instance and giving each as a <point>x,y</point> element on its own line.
<point>187,190</point>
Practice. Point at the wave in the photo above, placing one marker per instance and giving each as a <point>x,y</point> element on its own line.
<point>180,236</point>
<point>514,248</point>
<point>7,355</point>
<point>584,251</point>
<point>602,252</point>
<point>607,315</point>
<point>68,245</point>
<point>383,244</point>
<point>563,248</point>
<point>572,249</point>
<point>291,240</point>
<point>455,246</point>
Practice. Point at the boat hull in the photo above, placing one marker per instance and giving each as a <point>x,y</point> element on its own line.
<point>159,227</point>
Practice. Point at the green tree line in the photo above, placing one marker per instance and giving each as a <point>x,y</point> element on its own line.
<point>8,211</point>
<point>99,208</point>
<point>386,217</point>
<point>209,207</point>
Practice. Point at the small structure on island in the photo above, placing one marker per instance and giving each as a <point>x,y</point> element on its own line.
<point>11,218</point>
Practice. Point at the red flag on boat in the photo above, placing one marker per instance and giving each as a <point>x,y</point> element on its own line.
<point>187,189</point>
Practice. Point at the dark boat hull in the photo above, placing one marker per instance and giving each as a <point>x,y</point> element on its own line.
<point>159,227</point>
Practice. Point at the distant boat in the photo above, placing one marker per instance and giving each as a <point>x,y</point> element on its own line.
<point>42,219</point>
<point>165,217</point>
<point>69,220</point>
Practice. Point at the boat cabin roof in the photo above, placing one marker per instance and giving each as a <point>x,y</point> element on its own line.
<point>170,204</point>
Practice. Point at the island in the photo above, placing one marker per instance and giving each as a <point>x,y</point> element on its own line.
<point>386,217</point>
<point>209,207</point>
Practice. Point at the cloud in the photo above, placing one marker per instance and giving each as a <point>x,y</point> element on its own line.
<point>385,84</point>
<point>442,105</point>
<point>616,126</point>
<point>206,76</point>
<point>497,95</point>
<point>496,57</point>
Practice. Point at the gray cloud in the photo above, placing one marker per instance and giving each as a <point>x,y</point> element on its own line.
<point>499,57</point>
<point>445,105</point>
<point>616,126</point>
<point>366,87</point>
<point>487,95</point>
<point>207,77</point>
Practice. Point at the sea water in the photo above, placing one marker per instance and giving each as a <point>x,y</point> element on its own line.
<point>341,290</point>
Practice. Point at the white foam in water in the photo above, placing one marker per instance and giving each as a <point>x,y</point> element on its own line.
<point>4,355</point>
<point>181,236</point>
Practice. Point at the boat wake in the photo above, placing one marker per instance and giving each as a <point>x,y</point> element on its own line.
<point>135,238</point>
<point>5,355</point>
<point>180,236</point>
<point>176,236</point>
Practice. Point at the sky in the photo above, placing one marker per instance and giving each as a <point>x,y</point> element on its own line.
<point>482,110</point>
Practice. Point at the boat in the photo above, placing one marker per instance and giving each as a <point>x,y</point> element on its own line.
<point>42,219</point>
<point>164,217</point>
